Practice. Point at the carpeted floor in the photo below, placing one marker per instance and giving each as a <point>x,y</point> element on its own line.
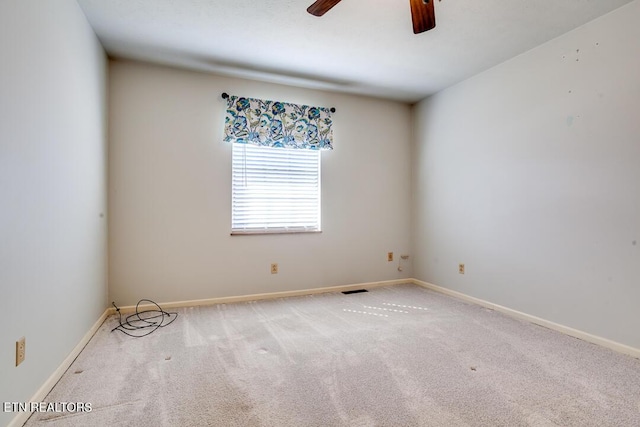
<point>395,356</point>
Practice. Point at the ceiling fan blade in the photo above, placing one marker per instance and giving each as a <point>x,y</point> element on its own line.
<point>321,7</point>
<point>423,15</point>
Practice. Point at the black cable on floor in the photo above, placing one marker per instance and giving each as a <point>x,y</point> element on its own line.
<point>142,323</point>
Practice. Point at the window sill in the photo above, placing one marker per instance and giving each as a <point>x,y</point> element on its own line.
<point>262,232</point>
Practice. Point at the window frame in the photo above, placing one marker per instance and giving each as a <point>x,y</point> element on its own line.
<point>281,229</point>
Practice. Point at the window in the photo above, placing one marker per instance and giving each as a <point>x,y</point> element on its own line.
<point>275,190</point>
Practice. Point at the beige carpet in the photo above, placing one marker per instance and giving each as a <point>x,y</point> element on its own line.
<point>395,356</point>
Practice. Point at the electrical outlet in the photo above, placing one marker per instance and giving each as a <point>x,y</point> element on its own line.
<point>461,268</point>
<point>274,268</point>
<point>389,256</point>
<point>20,350</point>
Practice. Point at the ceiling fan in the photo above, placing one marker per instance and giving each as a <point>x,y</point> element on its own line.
<point>422,13</point>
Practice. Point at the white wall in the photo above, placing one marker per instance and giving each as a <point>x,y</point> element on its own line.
<point>528,173</point>
<point>170,192</point>
<point>52,188</point>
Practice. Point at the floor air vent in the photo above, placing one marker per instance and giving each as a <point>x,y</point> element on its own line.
<point>357,291</point>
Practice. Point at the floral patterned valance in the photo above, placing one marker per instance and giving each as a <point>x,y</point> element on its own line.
<point>277,124</point>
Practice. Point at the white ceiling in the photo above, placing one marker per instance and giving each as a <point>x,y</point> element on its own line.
<point>360,46</point>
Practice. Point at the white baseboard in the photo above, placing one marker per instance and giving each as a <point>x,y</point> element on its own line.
<point>44,390</point>
<point>620,348</point>
<point>256,297</point>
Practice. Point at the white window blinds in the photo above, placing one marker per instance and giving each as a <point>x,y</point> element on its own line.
<point>275,190</point>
